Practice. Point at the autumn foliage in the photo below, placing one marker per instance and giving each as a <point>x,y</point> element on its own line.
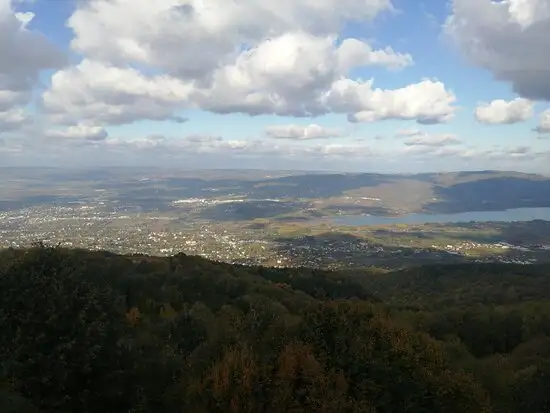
<point>95,332</point>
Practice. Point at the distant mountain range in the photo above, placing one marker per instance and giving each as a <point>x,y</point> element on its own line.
<point>428,192</point>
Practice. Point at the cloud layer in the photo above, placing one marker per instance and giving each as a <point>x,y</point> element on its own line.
<point>255,57</point>
<point>299,132</point>
<point>131,61</point>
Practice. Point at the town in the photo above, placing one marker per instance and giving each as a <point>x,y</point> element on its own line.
<point>115,228</point>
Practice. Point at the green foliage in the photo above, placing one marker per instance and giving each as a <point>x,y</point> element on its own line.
<point>67,329</point>
<point>97,332</point>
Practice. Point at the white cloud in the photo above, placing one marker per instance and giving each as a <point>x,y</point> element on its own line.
<point>508,38</point>
<point>504,112</point>
<point>10,98</point>
<point>147,143</point>
<point>426,102</point>
<point>192,38</point>
<point>25,18</point>
<point>9,147</point>
<point>24,54</point>
<point>407,132</point>
<point>431,148</point>
<point>424,139</point>
<point>430,151</point>
<point>500,153</point>
<point>204,138</point>
<point>211,145</point>
<point>101,94</point>
<point>300,132</point>
<point>84,132</point>
<point>286,75</point>
<point>211,151</point>
<point>480,157</point>
<point>544,123</point>
<point>254,57</point>
<point>528,12</point>
<point>355,53</point>
<point>12,119</point>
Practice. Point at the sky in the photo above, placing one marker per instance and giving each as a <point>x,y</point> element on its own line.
<point>344,85</point>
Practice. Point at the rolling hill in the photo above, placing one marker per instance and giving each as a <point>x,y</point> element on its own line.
<point>94,331</point>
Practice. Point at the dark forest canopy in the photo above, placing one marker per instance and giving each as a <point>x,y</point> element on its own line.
<point>96,332</point>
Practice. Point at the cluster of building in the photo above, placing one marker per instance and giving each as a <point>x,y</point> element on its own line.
<point>120,232</point>
<point>117,229</point>
<point>502,252</point>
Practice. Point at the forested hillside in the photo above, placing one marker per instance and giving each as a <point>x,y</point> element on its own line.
<point>94,332</point>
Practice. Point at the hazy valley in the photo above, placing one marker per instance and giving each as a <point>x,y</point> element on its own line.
<point>283,218</point>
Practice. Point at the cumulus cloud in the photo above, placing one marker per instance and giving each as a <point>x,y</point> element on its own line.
<point>236,148</point>
<point>103,94</point>
<point>12,119</point>
<point>10,147</point>
<point>426,102</point>
<point>300,132</point>
<point>254,57</point>
<point>286,75</point>
<point>204,138</point>
<point>497,156</point>
<point>504,112</point>
<point>427,147</point>
<point>515,152</point>
<point>501,153</point>
<point>146,143</point>
<point>425,139</point>
<point>348,150</point>
<point>83,132</point>
<point>191,38</point>
<point>544,123</point>
<point>207,148</point>
<point>407,132</point>
<point>431,151</point>
<point>508,38</point>
<point>24,54</point>
<point>353,53</point>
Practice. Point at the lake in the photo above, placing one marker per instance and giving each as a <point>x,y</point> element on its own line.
<point>510,215</point>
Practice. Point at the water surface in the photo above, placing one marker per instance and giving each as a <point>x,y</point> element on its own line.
<point>509,215</point>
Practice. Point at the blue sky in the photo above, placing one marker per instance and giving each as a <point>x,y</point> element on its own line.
<point>112,82</point>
